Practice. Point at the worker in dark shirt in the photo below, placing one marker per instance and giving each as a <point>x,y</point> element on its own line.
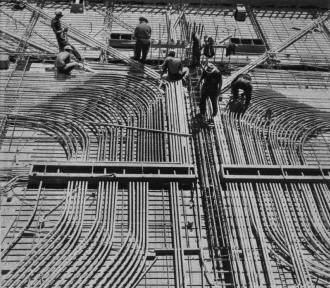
<point>63,62</point>
<point>196,50</point>
<point>142,34</point>
<point>18,5</point>
<point>243,82</point>
<point>230,49</point>
<point>61,34</point>
<point>212,82</point>
<point>208,48</point>
<point>174,68</point>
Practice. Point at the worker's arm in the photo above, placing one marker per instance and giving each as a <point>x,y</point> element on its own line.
<point>202,77</point>
<point>248,89</point>
<point>234,89</point>
<point>136,32</point>
<point>212,51</point>
<point>219,82</point>
<point>164,67</point>
<point>180,68</point>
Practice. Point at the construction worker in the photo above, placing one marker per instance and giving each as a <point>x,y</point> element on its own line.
<point>18,5</point>
<point>196,50</point>
<point>63,62</point>
<point>61,34</point>
<point>174,68</point>
<point>243,82</point>
<point>142,34</point>
<point>212,82</point>
<point>230,49</point>
<point>208,48</point>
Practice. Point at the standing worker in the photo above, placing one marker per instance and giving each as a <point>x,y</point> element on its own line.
<point>142,34</point>
<point>174,68</point>
<point>196,50</point>
<point>208,48</point>
<point>63,62</point>
<point>243,82</point>
<point>61,34</point>
<point>211,88</point>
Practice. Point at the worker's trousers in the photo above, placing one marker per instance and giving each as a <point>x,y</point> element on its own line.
<point>141,47</point>
<point>196,60</point>
<point>214,101</point>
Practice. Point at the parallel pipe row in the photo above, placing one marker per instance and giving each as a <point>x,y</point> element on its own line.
<point>274,224</point>
<point>109,116</point>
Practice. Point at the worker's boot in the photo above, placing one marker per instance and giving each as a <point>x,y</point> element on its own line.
<point>210,123</point>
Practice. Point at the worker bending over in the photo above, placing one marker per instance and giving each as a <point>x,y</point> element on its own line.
<point>174,68</point>
<point>212,82</point>
<point>63,61</point>
<point>243,82</point>
<point>61,34</point>
<point>142,34</point>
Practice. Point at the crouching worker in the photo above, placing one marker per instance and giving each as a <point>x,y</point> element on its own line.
<point>174,68</point>
<point>243,82</point>
<point>212,82</point>
<point>63,63</point>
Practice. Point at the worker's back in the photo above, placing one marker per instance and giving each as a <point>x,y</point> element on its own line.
<point>62,59</point>
<point>242,82</point>
<point>174,65</point>
<point>142,31</point>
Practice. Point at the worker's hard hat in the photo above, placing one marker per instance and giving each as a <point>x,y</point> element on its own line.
<point>68,48</point>
<point>58,12</point>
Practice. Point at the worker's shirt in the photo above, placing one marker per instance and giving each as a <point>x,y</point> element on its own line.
<point>62,59</point>
<point>230,49</point>
<point>212,82</point>
<point>208,50</point>
<point>172,65</point>
<point>142,32</point>
<point>57,28</point>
